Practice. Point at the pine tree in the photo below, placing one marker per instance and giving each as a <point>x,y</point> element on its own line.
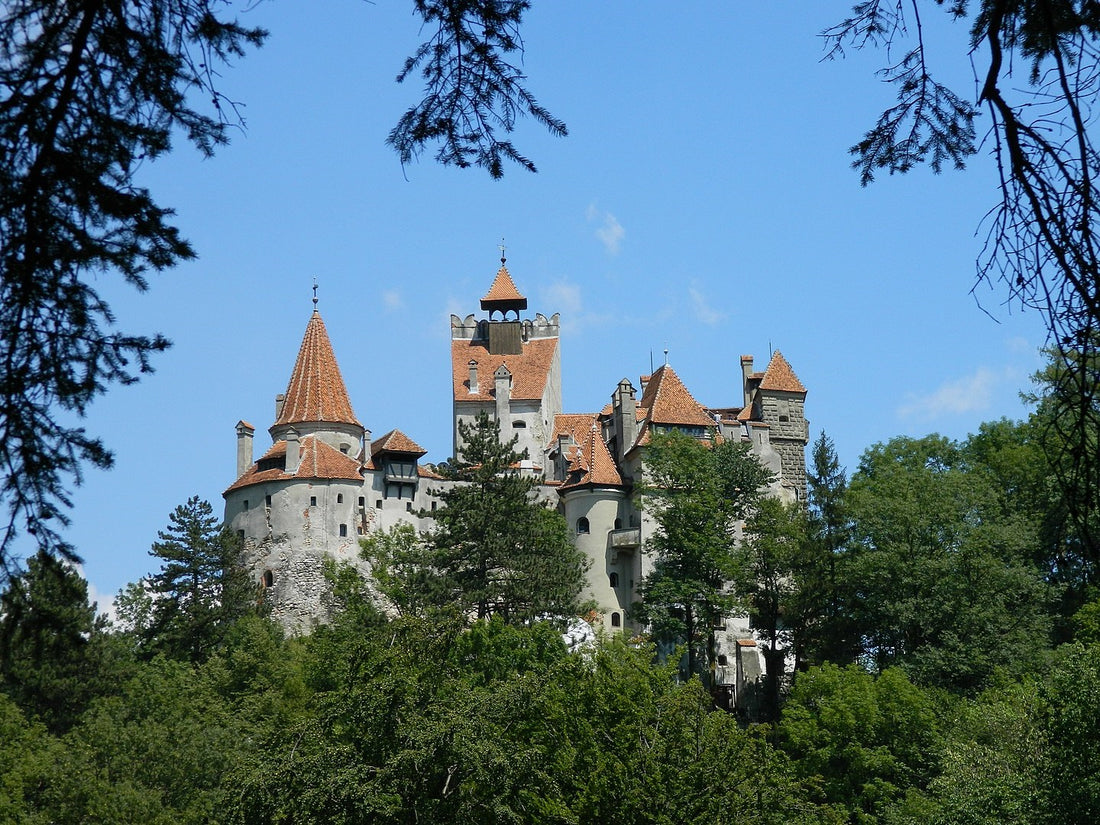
<point>201,587</point>
<point>495,550</point>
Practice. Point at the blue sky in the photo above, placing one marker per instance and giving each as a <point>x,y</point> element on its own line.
<point>702,202</point>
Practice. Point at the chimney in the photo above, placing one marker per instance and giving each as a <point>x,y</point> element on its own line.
<point>626,419</point>
<point>245,431</point>
<point>502,379</point>
<point>279,399</point>
<point>293,451</point>
<point>746,371</point>
<point>473,377</point>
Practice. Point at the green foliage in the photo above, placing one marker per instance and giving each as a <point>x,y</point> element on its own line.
<point>1070,775</point>
<point>823,629</point>
<point>869,741</point>
<point>940,569</point>
<point>75,123</point>
<point>201,588</point>
<point>697,493</point>
<point>53,652</point>
<point>495,551</point>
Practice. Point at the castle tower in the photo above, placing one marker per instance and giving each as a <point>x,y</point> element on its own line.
<point>301,501</point>
<point>508,368</point>
<point>777,399</point>
<point>595,501</point>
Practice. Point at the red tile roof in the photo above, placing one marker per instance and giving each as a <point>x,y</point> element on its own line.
<point>780,376</point>
<point>396,441</point>
<point>530,370</point>
<point>317,460</point>
<point>575,425</point>
<point>316,391</point>
<point>503,290</point>
<point>668,401</point>
<point>592,464</point>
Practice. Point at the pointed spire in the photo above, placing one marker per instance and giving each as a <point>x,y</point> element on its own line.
<point>780,376</point>
<point>503,295</point>
<point>316,392</point>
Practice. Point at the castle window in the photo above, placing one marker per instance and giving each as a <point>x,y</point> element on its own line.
<point>722,660</point>
<point>378,504</point>
<point>433,506</point>
<point>362,501</point>
<point>267,501</point>
<point>582,525</point>
<point>618,523</point>
<point>616,620</point>
<point>614,579</point>
<point>313,501</point>
<point>339,498</point>
<point>267,579</point>
<point>519,425</point>
<point>409,506</point>
<point>359,529</point>
<point>344,448</point>
<point>246,504</point>
<point>343,530</point>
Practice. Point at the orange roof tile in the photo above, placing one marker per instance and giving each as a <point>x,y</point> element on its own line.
<point>669,402</point>
<point>575,425</point>
<point>503,290</point>
<point>780,376</point>
<point>317,460</point>
<point>594,465</point>
<point>395,441</point>
<point>530,369</point>
<point>316,391</point>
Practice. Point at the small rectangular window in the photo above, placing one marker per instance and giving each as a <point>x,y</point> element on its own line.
<point>246,504</point>
<point>378,504</point>
<point>267,500</point>
<point>343,530</point>
<point>362,501</point>
<point>409,506</point>
<point>339,498</point>
<point>313,501</point>
<point>433,506</point>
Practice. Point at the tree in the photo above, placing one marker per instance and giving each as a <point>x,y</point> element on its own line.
<point>50,639</point>
<point>770,578</point>
<point>1037,75</point>
<point>698,493</point>
<point>825,628</point>
<point>870,741</point>
<point>494,550</point>
<point>941,575</point>
<point>201,587</point>
<point>90,91</point>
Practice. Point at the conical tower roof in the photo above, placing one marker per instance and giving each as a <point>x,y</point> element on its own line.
<point>316,392</point>
<point>668,401</point>
<point>592,464</point>
<point>780,376</point>
<point>503,294</point>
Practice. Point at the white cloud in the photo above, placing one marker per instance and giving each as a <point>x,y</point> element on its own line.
<point>704,312</point>
<point>391,299</point>
<point>562,297</point>
<point>971,393</point>
<point>610,231</point>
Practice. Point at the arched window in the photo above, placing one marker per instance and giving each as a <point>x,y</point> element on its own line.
<point>268,578</point>
<point>618,524</point>
<point>339,498</point>
<point>519,424</point>
<point>614,579</point>
<point>616,620</point>
<point>582,525</point>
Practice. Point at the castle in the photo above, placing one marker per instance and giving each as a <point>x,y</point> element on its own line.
<point>324,482</point>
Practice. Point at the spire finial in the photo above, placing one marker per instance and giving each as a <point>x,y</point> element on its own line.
<point>502,258</point>
<point>315,292</point>
<point>666,356</point>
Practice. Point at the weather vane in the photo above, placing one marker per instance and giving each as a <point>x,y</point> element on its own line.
<point>502,258</point>
<point>315,292</point>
